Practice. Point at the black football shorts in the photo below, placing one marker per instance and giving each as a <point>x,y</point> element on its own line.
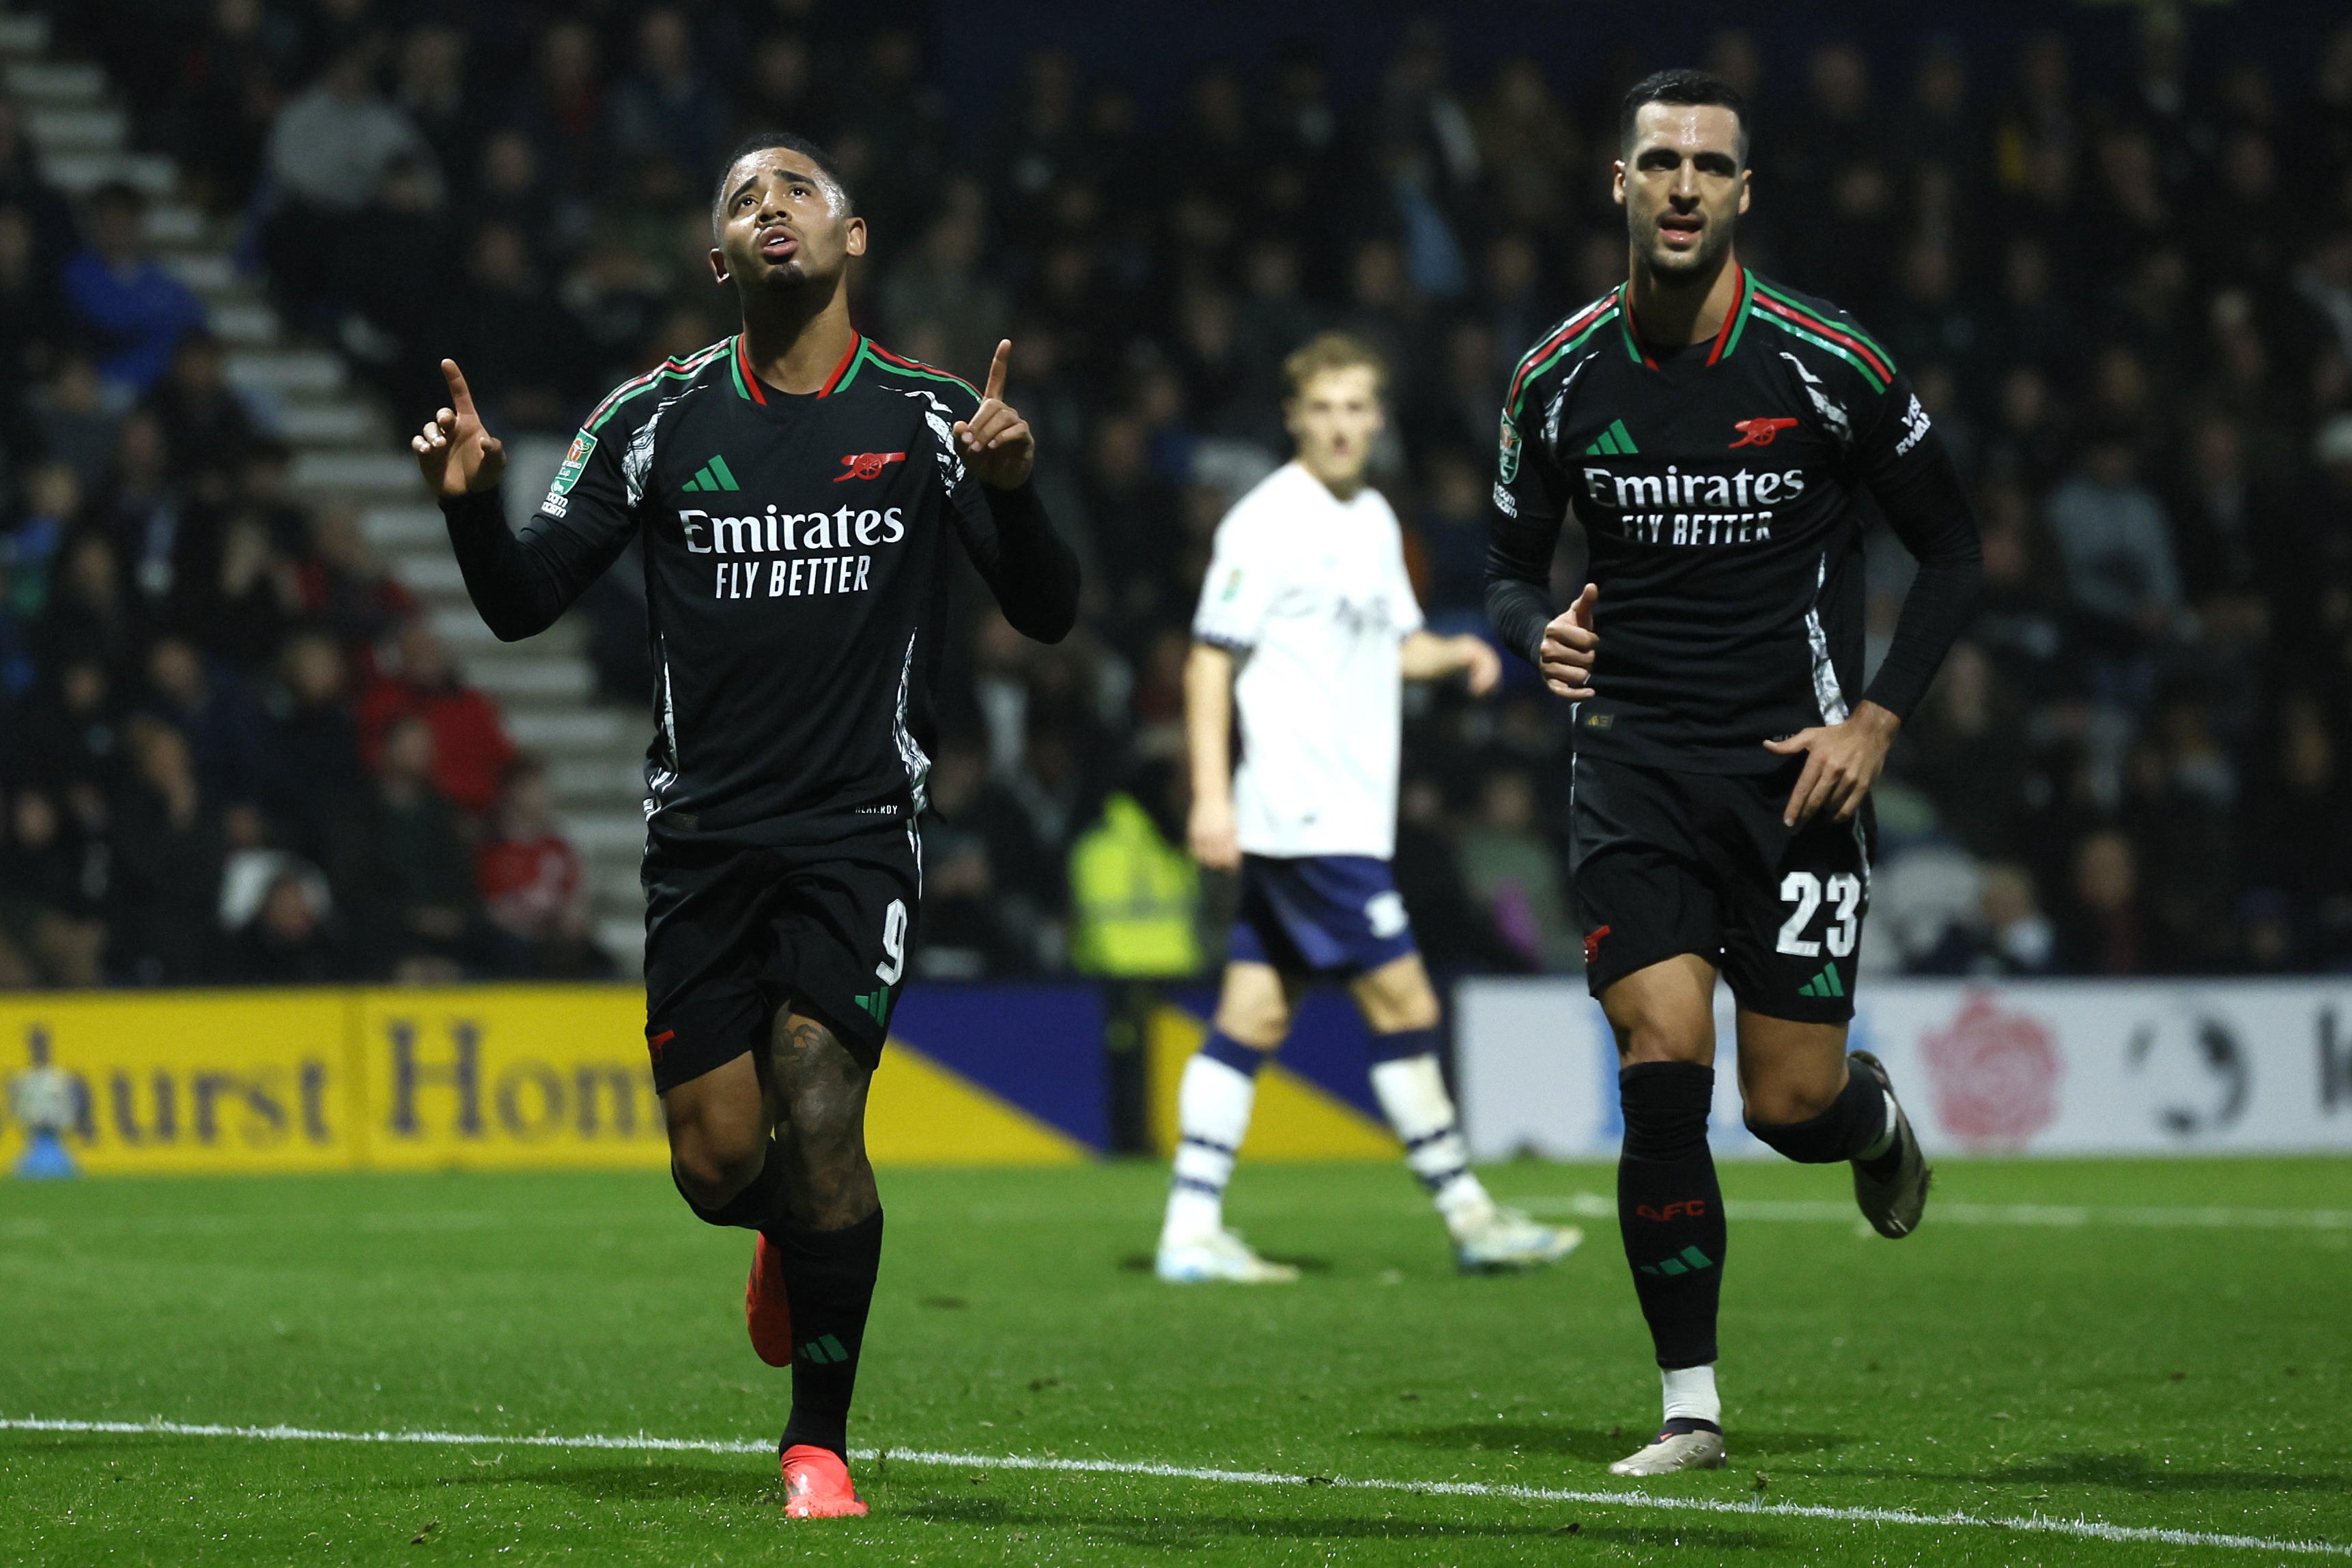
<point>735,934</point>
<point>1662,863</point>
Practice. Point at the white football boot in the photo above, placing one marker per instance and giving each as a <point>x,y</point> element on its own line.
<point>1218,1255</point>
<point>1699,1451</point>
<point>1506,1240</point>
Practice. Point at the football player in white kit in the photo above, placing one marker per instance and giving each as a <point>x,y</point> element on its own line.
<point>1308,625</point>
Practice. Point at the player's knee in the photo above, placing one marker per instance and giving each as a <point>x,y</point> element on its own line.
<point>1657,1036</point>
<point>1782,1090</point>
<point>1785,1100</point>
<point>1261,1026</point>
<point>1395,1004</point>
<point>1399,1015</point>
<point>709,1174</point>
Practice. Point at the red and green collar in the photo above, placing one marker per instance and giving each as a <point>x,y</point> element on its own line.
<point>863,352</point>
<point>747,380</point>
<point>1726,337</point>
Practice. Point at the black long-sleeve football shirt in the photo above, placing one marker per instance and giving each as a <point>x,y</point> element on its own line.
<point>1718,486</point>
<point>793,576</point>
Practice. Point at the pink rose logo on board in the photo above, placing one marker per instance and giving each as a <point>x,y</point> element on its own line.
<point>1995,1074</point>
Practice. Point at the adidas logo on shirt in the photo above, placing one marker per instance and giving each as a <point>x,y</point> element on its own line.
<point>713,475</point>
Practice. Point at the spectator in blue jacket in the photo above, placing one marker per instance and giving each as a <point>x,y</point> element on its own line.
<point>137,310</point>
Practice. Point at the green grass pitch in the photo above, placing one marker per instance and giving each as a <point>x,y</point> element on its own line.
<point>2185,1372</point>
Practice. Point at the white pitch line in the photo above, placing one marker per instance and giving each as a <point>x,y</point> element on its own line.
<point>1595,1204</point>
<point>2078,1528</point>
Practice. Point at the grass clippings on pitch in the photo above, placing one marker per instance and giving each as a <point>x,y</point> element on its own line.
<point>2153,1346</point>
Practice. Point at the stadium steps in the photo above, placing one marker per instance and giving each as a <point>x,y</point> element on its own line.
<point>348,452</point>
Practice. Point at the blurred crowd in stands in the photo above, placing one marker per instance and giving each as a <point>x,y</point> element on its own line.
<point>2125,294</point>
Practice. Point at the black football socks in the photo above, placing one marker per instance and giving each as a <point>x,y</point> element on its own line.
<point>829,1279</point>
<point>1669,1209</point>
<point>1858,1126</point>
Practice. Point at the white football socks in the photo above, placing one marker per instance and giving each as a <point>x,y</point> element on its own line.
<point>1690,1394</point>
<point>1212,1115</point>
<point>1411,1093</point>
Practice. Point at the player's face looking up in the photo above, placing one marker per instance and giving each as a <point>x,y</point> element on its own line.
<point>782,222</point>
<point>1335,417</point>
<point>1683,186</point>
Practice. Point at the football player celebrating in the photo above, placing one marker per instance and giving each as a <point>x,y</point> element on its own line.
<point>794,486</point>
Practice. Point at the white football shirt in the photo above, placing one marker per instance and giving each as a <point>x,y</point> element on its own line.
<point>1311,592</point>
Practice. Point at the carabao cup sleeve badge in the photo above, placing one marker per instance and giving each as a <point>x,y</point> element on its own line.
<point>1509,449</point>
<point>575,463</point>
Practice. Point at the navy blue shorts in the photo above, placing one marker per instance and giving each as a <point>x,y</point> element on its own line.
<point>1319,914</point>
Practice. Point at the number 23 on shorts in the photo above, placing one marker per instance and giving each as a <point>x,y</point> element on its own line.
<point>1805,890</point>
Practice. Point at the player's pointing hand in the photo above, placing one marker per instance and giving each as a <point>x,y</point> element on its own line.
<point>997,444</point>
<point>1570,646</point>
<point>454,452</point>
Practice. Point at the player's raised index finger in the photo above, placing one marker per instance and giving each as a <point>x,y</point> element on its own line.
<point>995,390</point>
<point>458,395</point>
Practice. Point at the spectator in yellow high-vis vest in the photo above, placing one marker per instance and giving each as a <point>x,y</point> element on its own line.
<point>1133,898</point>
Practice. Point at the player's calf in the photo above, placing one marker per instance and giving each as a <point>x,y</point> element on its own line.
<point>826,1246</point>
<point>1670,1213</point>
<point>1213,1101</point>
<point>1670,1207</point>
<point>1411,1088</point>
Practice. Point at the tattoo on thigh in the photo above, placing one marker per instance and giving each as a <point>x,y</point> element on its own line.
<point>815,1068</point>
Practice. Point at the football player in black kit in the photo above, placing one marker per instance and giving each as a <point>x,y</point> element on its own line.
<point>794,487</point>
<point>1710,429</point>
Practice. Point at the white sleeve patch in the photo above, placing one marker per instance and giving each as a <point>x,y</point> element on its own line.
<point>1915,426</point>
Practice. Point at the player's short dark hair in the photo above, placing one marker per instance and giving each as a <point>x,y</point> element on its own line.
<point>768,141</point>
<point>1682,86</point>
